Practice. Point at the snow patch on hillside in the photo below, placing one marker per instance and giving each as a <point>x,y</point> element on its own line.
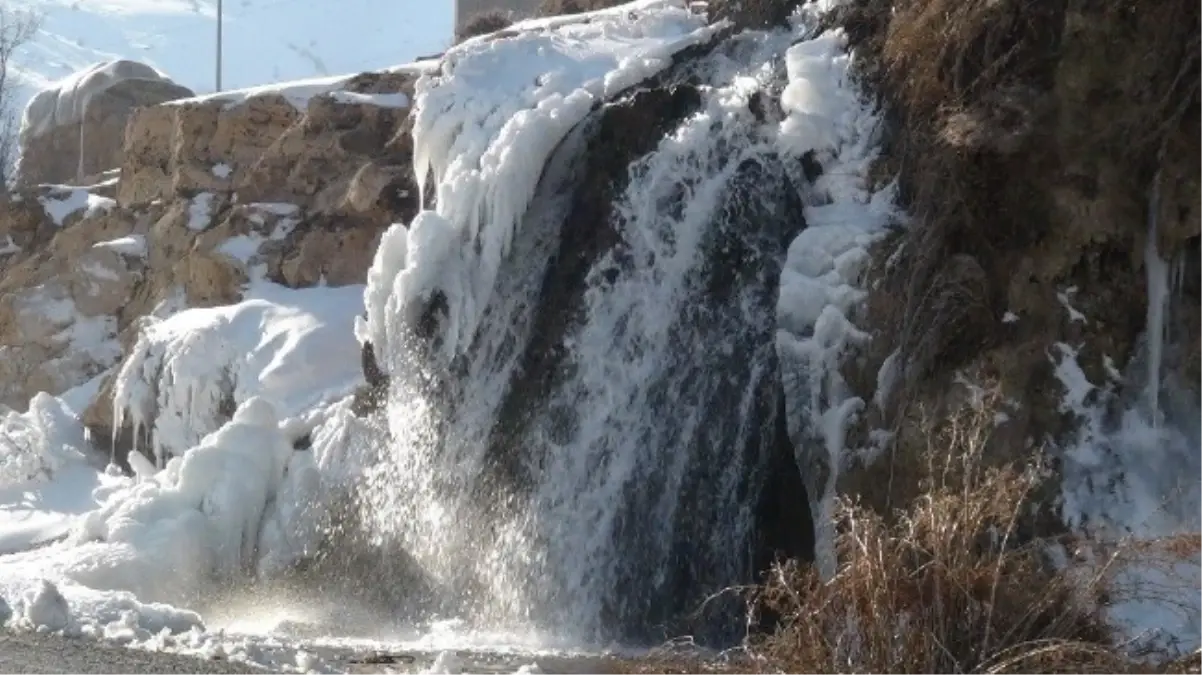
<point>64,200</point>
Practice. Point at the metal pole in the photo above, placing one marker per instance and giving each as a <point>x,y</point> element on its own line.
<point>218,45</point>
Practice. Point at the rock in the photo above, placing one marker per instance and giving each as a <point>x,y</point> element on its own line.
<point>75,130</point>
<point>1059,216</point>
<point>197,146</point>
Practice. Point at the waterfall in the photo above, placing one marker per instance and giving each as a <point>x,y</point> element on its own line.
<point>585,331</point>
<point>589,457</point>
<point>1132,467</point>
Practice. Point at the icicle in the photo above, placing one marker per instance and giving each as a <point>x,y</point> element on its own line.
<point>1158,295</point>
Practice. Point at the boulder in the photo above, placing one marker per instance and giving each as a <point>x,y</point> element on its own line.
<point>75,129</point>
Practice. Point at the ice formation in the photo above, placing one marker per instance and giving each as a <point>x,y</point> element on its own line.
<point>202,513</point>
<point>821,285</point>
<point>37,444</point>
<point>483,133</point>
<point>292,347</point>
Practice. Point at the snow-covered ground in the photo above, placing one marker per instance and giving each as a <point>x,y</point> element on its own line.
<point>264,40</point>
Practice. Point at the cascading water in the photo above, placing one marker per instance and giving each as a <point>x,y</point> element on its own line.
<point>586,453</point>
<point>585,411</point>
<point>1133,467</point>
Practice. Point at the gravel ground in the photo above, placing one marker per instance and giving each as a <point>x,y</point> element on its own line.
<point>44,653</point>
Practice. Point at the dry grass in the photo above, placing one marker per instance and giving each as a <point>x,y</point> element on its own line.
<point>951,583</point>
<point>954,584</point>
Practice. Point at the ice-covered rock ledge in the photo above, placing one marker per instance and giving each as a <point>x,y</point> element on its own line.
<point>481,136</point>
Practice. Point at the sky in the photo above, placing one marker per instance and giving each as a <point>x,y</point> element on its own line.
<point>264,40</point>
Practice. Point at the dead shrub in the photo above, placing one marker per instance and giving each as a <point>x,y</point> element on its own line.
<point>483,24</point>
<point>949,583</point>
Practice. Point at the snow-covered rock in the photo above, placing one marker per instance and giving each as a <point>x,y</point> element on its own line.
<point>74,128</point>
<point>184,374</point>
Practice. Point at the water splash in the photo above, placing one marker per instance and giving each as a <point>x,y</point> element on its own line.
<point>596,488</point>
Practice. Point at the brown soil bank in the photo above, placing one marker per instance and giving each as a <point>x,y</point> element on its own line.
<point>1026,138</point>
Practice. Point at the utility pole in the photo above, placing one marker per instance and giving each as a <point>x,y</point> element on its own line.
<point>218,45</point>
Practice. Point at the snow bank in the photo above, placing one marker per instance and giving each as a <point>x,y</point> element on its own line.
<point>65,607</point>
<point>821,283</point>
<point>202,514</point>
<point>484,127</point>
<point>292,347</point>
<point>37,444</point>
<point>66,101</point>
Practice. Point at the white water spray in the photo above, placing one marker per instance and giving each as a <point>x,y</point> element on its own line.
<point>1158,307</point>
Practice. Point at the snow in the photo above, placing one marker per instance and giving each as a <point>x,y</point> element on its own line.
<point>9,246</point>
<point>241,247</point>
<point>64,200</point>
<point>227,483</point>
<point>221,170</point>
<point>44,608</point>
<point>298,93</point>
<point>822,282</point>
<point>133,246</point>
<point>394,100</point>
<point>291,347</point>
<point>484,126</point>
<point>65,102</point>
<point>200,212</point>
<point>36,444</point>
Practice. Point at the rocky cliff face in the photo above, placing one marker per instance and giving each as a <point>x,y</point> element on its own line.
<point>1048,155</point>
<point>209,193</point>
